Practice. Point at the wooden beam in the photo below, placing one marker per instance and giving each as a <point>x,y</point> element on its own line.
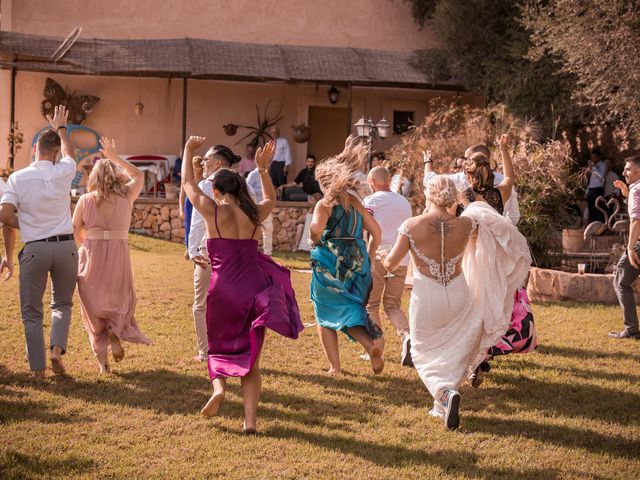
<point>12,115</point>
<point>184,113</point>
<point>349,110</point>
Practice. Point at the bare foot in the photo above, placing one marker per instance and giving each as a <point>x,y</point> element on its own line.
<point>105,369</point>
<point>249,428</point>
<point>39,373</point>
<point>56,360</point>
<point>197,358</point>
<point>334,371</point>
<point>116,347</point>
<point>377,362</point>
<point>212,406</point>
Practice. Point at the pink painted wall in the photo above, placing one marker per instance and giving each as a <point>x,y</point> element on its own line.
<point>378,24</point>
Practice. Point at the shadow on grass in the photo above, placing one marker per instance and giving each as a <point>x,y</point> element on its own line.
<point>573,352</point>
<point>568,399</point>
<point>14,465</point>
<point>388,455</point>
<point>565,437</point>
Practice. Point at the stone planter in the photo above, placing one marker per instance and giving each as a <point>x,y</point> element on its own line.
<point>573,240</point>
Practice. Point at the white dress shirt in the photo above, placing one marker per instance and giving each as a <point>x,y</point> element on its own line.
<point>511,207</point>
<point>254,185</point>
<point>198,231</point>
<point>283,152</point>
<point>390,210</point>
<point>41,193</point>
<point>1,191</point>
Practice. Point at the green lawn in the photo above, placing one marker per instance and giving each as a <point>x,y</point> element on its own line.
<point>570,410</point>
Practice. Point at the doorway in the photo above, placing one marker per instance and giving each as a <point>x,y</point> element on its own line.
<point>327,131</point>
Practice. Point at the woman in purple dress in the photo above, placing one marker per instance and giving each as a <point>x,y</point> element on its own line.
<point>248,292</point>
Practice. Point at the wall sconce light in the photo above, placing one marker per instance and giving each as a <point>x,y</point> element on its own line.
<point>139,108</point>
<point>334,95</point>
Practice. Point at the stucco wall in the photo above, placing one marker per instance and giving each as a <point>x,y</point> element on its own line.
<point>379,24</point>
<point>210,105</point>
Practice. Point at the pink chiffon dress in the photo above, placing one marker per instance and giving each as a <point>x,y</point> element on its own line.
<point>105,278</point>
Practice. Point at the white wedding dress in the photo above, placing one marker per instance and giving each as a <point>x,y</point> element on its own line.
<point>454,320</point>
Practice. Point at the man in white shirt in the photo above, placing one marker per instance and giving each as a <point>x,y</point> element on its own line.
<point>511,208</point>
<point>279,168</point>
<point>40,194</point>
<point>255,189</point>
<point>390,210</point>
<point>217,157</point>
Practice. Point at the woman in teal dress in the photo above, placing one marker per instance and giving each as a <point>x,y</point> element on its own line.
<point>340,258</point>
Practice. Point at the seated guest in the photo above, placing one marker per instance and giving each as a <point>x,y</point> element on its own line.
<point>306,179</point>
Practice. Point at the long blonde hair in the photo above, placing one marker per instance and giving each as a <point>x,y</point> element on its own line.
<point>336,175</point>
<point>107,178</point>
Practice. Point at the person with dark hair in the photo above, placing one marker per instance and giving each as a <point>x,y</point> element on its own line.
<point>376,160</point>
<point>248,291</point>
<point>40,194</point>
<point>105,280</point>
<point>279,169</point>
<point>597,177</point>
<point>305,180</point>
<point>216,158</point>
<point>628,267</point>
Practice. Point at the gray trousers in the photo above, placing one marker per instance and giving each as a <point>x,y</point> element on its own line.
<point>626,274</point>
<point>37,261</point>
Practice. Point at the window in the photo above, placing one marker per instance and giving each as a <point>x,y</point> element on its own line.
<point>402,120</point>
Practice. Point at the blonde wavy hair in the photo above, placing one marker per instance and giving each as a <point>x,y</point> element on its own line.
<point>479,172</point>
<point>337,175</point>
<point>441,191</point>
<point>107,179</point>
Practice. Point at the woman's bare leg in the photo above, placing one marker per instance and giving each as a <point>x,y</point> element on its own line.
<point>373,348</point>
<point>219,389</point>
<point>251,388</point>
<point>329,341</point>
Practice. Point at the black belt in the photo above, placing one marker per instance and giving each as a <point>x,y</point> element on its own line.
<point>55,238</point>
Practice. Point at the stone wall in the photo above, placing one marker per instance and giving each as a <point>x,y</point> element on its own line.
<point>160,218</point>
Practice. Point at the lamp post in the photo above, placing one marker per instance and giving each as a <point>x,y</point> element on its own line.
<point>368,130</point>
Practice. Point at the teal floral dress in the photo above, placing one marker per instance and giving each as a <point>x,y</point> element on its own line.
<point>341,279</point>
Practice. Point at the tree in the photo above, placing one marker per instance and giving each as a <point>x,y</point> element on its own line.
<point>598,44</point>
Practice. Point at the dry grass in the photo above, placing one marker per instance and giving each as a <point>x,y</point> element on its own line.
<point>568,411</point>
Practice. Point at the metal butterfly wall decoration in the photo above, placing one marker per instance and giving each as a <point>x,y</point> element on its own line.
<point>79,106</point>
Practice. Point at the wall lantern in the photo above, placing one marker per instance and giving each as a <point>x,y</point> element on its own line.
<point>334,95</point>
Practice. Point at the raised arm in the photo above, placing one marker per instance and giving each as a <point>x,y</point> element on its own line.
<point>136,183</point>
<point>506,186</point>
<point>264,155</point>
<point>198,199</point>
<point>59,124</point>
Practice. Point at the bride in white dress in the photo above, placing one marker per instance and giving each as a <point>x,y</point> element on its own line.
<point>467,270</point>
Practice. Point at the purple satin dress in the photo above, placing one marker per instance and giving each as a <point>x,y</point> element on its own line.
<point>248,293</point>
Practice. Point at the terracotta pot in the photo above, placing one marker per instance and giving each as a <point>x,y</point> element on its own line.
<point>301,133</point>
<point>573,240</point>
<point>230,129</point>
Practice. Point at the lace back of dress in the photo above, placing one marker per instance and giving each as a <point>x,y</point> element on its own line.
<point>444,271</point>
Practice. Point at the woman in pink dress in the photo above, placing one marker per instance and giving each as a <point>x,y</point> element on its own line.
<point>249,292</point>
<point>105,280</point>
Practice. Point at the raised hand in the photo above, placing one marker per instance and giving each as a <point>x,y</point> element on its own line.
<point>194,143</point>
<point>504,140</point>
<point>264,155</point>
<point>60,115</point>
<point>623,187</point>
<point>108,149</point>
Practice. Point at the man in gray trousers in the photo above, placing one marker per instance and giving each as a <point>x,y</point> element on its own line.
<point>37,201</point>
<point>628,267</point>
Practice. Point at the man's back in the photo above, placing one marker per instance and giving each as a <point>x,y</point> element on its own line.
<point>389,209</point>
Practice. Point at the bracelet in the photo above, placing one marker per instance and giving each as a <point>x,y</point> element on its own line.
<point>61,126</point>
<point>263,170</point>
<point>428,161</point>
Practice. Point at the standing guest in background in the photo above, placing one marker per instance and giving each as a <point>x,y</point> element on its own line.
<point>216,158</point>
<point>306,179</point>
<point>41,195</point>
<point>340,259</point>
<point>249,292</point>
<point>105,280</point>
<point>279,168</point>
<point>248,162</point>
<point>628,267</point>
<point>389,210</point>
<point>376,160</point>
<point>185,204</point>
<point>254,183</point>
<point>598,174</point>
